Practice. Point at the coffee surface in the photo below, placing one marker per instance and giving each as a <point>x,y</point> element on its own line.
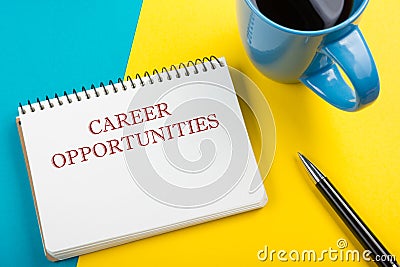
<point>306,15</point>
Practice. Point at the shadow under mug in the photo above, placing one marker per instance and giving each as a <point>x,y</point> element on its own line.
<point>313,57</point>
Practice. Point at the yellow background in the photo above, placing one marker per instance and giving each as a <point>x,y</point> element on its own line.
<point>360,152</point>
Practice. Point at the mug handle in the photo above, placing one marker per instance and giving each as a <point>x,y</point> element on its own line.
<point>352,54</point>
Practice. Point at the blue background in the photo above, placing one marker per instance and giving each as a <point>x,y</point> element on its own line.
<point>47,47</point>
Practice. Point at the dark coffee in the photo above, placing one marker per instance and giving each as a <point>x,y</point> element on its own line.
<point>306,15</point>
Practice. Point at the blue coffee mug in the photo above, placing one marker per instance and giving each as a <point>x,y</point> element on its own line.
<point>312,57</point>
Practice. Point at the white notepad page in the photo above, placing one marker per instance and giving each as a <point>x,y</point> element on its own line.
<point>139,161</point>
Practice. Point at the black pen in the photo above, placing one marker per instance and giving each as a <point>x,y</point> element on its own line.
<point>364,235</point>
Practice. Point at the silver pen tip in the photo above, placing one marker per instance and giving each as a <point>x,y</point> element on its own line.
<point>315,174</point>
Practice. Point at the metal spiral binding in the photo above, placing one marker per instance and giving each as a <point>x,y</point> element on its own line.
<point>172,69</point>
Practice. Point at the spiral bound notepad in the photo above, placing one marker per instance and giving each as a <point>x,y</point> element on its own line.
<point>135,158</point>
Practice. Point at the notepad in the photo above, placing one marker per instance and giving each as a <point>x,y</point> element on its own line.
<point>130,159</point>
